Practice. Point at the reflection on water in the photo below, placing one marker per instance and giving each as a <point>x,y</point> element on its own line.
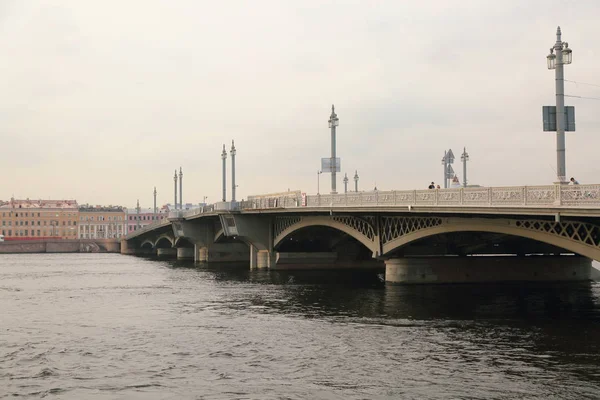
<point>110,326</point>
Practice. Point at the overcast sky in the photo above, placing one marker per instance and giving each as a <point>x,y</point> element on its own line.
<point>102,100</point>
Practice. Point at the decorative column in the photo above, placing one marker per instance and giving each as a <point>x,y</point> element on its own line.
<point>155,201</point>
<point>138,214</point>
<point>464,157</point>
<point>175,180</point>
<point>180,189</point>
<point>333,123</point>
<point>232,152</point>
<point>356,181</point>
<point>445,164</point>
<point>224,158</point>
<point>345,183</point>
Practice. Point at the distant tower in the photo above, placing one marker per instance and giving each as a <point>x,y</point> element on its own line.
<point>180,188</point>
<point>345,183</point>
<point>175,180</point>
<point>333,123</point>
<point>224,158</point>
<point>232,152</point>
<point>356,181</point>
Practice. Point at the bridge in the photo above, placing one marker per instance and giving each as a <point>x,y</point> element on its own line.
<point>549,232</point>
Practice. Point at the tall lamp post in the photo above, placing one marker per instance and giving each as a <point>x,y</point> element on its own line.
<point>224,158</point>
<point>448,171</point>
<point>345,183</point>
<point>319,181</point>
<point>464,157</point>
<point>175,184</point>
<point>560,55</point>
<point>333,123</point>
<point>356,181</point>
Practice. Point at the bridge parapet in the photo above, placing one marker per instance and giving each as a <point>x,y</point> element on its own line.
<point>513,196</point>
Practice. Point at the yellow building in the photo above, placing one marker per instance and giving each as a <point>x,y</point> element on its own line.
<point>101,222</point>
<point>36,219</point>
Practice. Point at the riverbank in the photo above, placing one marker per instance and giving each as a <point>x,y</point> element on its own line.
<point>61,246</point>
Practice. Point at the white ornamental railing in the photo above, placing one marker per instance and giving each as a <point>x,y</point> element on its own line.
<point>514,196</point>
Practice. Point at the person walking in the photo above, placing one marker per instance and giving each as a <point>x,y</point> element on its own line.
<point>432,186</point>
<point>573,181</point>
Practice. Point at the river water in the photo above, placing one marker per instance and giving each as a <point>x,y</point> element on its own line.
<point>106,326</point>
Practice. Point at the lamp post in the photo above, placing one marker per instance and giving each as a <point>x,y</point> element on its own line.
<point>154,200</point>
<point>180,188</point>
<point>333,123</point>
<point>233,185</point>
<point>356,181</point>
<point>445,164</point>
<point>319,181</point>
<point>175,181</point>
<point>446,161</point>
<point>560,55</point>
<point>224,158</point>
<point>464,157</point>
<point>346,183</point>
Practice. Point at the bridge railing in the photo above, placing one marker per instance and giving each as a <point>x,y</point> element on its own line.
<point>515,196</point>
<point>190,213</point>
<point>149,227</point>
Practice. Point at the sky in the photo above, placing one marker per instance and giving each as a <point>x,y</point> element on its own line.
<point>102,100</point>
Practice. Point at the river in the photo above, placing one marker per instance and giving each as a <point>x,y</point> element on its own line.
<point>106,326</point>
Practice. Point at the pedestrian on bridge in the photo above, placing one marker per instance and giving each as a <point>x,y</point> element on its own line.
<point>432,186</point>
<point>573,181</point>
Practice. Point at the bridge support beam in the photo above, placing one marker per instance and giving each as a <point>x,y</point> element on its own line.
<point>166,253</point>
<point>487,269</point>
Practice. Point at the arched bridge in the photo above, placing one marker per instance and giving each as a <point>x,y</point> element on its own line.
<point>376,227</point>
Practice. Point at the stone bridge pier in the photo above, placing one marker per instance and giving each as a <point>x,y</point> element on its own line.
<point>257,232</point>
<point>199,240</point>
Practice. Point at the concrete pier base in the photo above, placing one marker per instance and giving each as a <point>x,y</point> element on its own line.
<point>166,253</point>
<point>224,253</point>
<point>185,253</point>
<point>321,260</point>
<point>265,259</point>
<point>202,254</point>
<point>487,269</point>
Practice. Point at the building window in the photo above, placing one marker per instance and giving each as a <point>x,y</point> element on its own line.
<point>38,232</point>
<point>26,232</point>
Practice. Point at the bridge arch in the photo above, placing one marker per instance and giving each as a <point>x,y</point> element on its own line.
<point>578,237</point>
<point>361,229</point>
<point>164,241</point>
<point>183,241</point>
<point>147,244</point>
<point>218,235</point>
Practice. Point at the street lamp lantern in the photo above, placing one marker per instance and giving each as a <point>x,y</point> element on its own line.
<point>551,59</point>
<point>567,54</point>
<point>333,119</point>
<point>356,180</point>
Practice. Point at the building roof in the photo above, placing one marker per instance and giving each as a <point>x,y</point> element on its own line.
<point>39,204</point>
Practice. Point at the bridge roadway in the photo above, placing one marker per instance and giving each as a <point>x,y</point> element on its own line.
<point>552,232</point>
